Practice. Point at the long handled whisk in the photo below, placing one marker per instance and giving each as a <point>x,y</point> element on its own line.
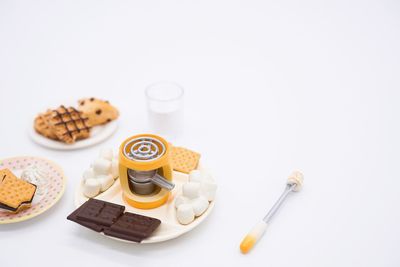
<point>294,183</point>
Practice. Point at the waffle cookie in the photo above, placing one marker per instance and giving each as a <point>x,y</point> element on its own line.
<point>15,194</point>
<point>184,160</point>
<point>98,111</point>
<point>69,124</point>
<point>63,124</point>
<point>41,125</point>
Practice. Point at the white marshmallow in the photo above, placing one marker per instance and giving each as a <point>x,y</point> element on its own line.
<point>195,176</point>
<point>199,205</point>
<point>185,214</point>
<point>206,174</point>
<point>88,174</point>
<point>105,181</point>
<point>208,190</point>
<point>180,200</point>
<point>114,168</point>
<point>91,187</point>
<point>106,153</point>
<point>102,166</point>
<point>191,190</point>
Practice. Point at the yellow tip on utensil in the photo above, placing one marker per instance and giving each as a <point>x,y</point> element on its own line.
<point>247,244</point>
<point>253,236</point>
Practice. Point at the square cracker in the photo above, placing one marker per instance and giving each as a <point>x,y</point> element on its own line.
<point>4,173</point>
<point>184,160</point>
<point>15,192</point>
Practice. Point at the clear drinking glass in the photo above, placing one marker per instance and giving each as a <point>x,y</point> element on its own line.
<point>165,108</point>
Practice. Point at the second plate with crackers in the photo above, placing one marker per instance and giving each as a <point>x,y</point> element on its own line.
<point>47,193</point>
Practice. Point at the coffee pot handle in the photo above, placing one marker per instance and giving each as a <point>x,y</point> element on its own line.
<point>162,182</point>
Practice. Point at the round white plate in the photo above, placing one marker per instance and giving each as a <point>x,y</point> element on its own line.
<point>170,227</point>
<point>53,190</point>
<point>98,134</point>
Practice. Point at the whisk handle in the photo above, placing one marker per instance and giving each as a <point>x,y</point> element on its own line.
<point>253,236</point>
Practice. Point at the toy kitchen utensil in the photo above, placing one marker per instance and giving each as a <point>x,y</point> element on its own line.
<point>294,183</point>
<point>145,171</point>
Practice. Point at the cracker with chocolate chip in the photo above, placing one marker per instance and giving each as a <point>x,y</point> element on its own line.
<point>98,111</point>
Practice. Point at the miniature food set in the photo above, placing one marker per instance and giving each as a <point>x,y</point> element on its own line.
<point>161,193</point>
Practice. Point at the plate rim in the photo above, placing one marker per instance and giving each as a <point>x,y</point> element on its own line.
<point>59,196</point>
<point>188,227</point>
<point>55,145</point>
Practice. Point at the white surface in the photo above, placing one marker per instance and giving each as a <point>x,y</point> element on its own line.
<point>97,135</point>
<point>169,229</point>
<point>310,85</point>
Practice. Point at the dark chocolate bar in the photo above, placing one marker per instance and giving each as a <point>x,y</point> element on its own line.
<point>100,212</point>
<point>133,227</point>
<point>93,226</point>
<point>102,216</point>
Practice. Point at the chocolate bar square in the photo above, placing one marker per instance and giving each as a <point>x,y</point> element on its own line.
<point>100,212</point>
<point>133,227</point>
<point>93,226</point>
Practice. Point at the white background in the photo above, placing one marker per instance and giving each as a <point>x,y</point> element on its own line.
<point>271,86</point>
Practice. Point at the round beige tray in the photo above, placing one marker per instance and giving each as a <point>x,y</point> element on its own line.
<point>170,227</point>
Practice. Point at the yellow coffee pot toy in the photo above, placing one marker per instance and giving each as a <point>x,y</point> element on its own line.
<point>145,171</point>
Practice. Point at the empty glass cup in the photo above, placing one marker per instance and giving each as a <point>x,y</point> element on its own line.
<point>165,108</point>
